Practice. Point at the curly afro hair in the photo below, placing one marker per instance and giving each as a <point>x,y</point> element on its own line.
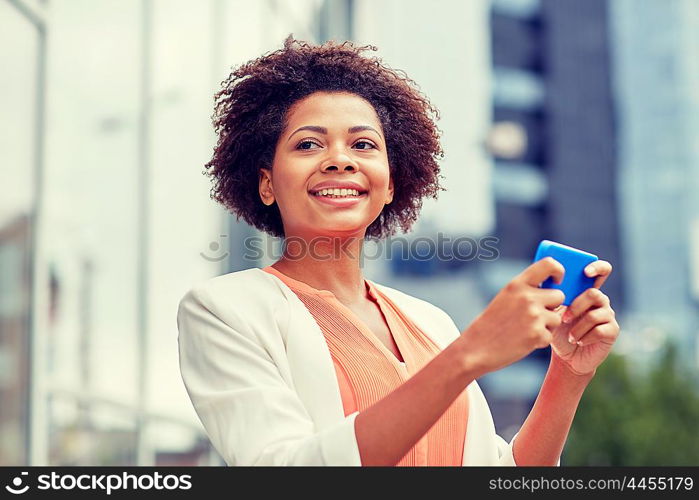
<point>250,115</point>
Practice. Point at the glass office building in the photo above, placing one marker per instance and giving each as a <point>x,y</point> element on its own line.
<point>657,104</point>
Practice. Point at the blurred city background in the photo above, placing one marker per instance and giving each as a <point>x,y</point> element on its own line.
<point>570,120</point>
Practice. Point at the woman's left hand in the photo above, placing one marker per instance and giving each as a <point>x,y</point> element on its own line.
<point>586,340</point>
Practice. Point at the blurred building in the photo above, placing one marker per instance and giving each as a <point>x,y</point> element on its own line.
<point>15,317</point>
<point>553,136</point>
<point>657,103</point>
<point>22,57</point>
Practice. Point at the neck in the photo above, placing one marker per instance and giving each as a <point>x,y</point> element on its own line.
<point>327,264</point>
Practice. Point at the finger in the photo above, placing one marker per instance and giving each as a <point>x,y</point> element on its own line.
<point>560,310</point>
<point>542,269</point>
<point>606,333</point>
<point>545,338</point>
<point>589,321</point>
<point>551,298</point>
<point>600,268</point>
<point>592,297</point>
<point>552,320</point>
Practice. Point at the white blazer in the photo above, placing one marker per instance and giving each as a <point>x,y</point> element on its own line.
<point>259,374</point>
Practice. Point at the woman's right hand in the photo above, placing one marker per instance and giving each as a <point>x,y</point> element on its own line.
<point>519,319</point>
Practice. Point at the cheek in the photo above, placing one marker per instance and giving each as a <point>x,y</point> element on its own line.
<point>290,179</point>
<point>379,171</point>
<point>383,181</point>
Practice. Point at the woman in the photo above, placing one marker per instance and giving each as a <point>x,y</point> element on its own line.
<point>306,361</point>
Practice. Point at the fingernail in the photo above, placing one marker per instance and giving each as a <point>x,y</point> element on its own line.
<point>590,270</point>
<point>566,317</point>
<point>579,342</point>
<point>571,339</point>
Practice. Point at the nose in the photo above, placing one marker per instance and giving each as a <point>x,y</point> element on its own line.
<point>339,160</point>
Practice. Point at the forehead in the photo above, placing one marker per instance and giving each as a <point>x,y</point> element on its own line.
<point>326,108</point>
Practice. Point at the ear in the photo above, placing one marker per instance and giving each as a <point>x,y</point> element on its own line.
<point>265,186</point>
<point>389,196</point>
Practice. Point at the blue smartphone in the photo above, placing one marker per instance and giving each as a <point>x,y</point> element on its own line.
<point>574,261</point>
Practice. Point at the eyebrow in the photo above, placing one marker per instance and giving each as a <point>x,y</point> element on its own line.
<point>323,130</point>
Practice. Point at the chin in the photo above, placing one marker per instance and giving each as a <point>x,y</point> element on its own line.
<point>342,232</point>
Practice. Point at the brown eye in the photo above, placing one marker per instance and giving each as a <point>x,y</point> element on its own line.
<point>306,145</point>
<point>367,143</point>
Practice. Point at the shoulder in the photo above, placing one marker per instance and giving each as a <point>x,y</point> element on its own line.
<point>429,317</point>
<point>232,284</point>
<point>250,293</point>
<point>237,287</point>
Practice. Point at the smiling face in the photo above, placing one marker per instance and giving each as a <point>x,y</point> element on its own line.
<point>333,138</point>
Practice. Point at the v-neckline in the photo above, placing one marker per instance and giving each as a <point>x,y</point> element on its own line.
<point>369,333</point>
<point>401,366</point>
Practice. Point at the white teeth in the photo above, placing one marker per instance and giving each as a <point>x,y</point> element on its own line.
<point>337,192</point>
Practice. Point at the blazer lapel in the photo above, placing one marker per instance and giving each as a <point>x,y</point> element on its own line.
<point>310,362</point>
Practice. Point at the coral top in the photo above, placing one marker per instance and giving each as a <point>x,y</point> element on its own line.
<point>367,370</point>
